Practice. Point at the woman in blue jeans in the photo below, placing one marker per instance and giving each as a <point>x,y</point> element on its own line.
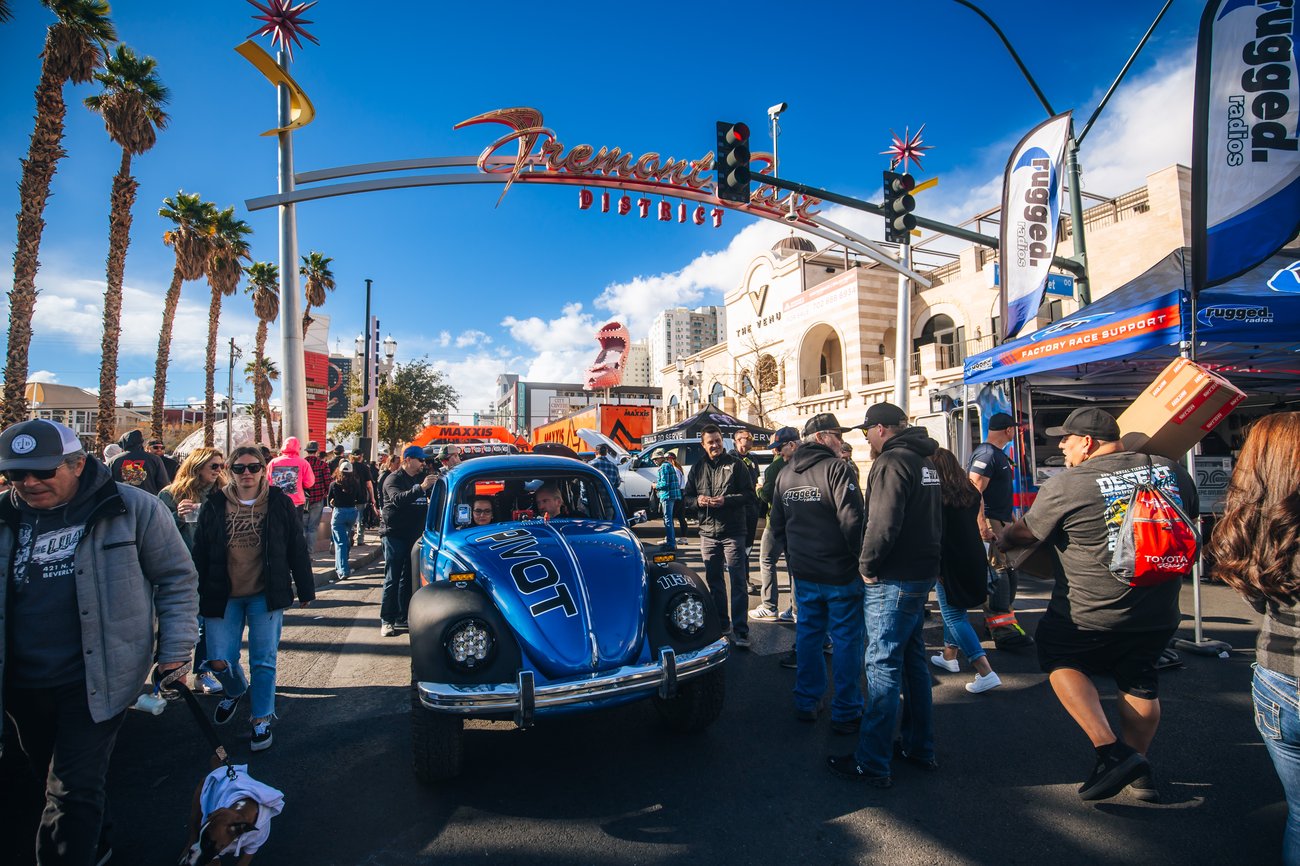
<point>668,486</point>
<point>251,554</point>
<point>962,567</point>
<point>345,497</point>
<point>1256,549</point>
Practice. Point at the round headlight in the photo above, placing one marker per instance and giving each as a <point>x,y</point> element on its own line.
<point>687,614</point>
<point>469,644</point>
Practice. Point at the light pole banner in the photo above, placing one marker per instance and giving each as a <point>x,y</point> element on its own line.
<point>1245,164</point>
<point>1031,208</point>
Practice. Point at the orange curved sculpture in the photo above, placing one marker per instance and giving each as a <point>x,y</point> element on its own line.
<point>607,370</point>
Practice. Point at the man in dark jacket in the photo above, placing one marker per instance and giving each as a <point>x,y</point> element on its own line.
<point>158,448</point>
<point>406,504</point>
<point>817,519</point>
<point>138,467</point>
<point>899,565</point>
<point>721,490</point>
<point>784,444</point>
<point>744,444</point>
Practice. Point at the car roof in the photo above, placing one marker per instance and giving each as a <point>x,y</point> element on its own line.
<point>516,463</point>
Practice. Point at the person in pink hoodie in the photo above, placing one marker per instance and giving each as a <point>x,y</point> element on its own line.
<point>291,473</point>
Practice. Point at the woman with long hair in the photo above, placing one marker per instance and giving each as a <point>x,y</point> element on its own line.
<point>1256,549</point>
<point>345,496</point>
<point>962,571</point>
<point>201,472</point>
<point>680,510</point>
<point>251,554</point>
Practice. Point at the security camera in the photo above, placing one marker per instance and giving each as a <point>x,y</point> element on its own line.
<point>777,109</point>
<point>791,216</point>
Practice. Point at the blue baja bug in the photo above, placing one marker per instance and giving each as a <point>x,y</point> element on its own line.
<point>542,612</point>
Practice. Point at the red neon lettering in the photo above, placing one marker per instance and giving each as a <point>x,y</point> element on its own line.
<point>681,211</point>
<point>697,216</point>
<point>624,205</point>
<point>604,202</point>
<point>717,217</point>
<point>665,212</point>
<point>643,206</point>
<point>585,199</point>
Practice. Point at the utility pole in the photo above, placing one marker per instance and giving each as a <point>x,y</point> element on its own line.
<point>365,442</point>
<point>230,398</point>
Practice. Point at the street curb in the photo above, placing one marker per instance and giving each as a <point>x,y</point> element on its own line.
<point>359,560</point>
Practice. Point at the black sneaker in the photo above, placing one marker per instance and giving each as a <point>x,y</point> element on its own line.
<point>740,641</point>
<point>846,767</point>
<point>225,710</point>
<point>929,765</point>
<point>261,736</point>
<point>806,715</point>
<point>1113,773</point>
<point>401,625</point>
<point>789,661</point>
<point>847,726</point>
<point>1144,787</point>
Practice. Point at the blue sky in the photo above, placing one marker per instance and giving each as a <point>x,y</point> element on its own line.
<point>482,289</point>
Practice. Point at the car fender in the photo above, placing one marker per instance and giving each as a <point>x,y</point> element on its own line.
<point>668,582</point>
<point>433,610</point>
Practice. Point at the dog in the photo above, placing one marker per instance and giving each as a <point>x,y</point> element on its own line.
<point>231,814</point>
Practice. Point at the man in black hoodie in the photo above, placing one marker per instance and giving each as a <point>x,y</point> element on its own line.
<point>817,519</point>
<point>721,490</point>
<point>899,564</point>
<point>138,467</point>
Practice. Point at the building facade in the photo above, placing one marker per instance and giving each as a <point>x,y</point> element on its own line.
<point>815,331</point>
<point>636,370</point>
<point>679,333</point>
<point>522,406</point>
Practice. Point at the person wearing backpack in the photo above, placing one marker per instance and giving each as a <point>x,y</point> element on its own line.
<point>1256,551</point>
<point>1098,624</point>
<point>963,573</point>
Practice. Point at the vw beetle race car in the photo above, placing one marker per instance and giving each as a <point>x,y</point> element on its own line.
<point>542,612</point>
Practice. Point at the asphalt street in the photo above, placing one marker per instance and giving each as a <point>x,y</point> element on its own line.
<point>617,788</point>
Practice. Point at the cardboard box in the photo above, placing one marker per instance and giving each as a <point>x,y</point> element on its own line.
<point>1185,402</point>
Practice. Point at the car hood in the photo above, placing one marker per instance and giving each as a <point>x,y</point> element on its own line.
<point>573,590</point>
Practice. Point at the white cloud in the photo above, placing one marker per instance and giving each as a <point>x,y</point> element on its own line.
<point>564,346</point>
<point>443,340</point>
<point>475,378</point>
<point>43,376</point>
<point>471,338</point>
<point>136,391</point>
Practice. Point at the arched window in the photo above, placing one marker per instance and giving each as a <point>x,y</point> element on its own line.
<point>716,393</point>
<point>767,374</point>
<point>672,402</point>
<point>951,339</point>
<point>695,395</point>
<point>746,386</point>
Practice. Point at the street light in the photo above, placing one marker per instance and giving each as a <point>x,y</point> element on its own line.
<point>390,348</point>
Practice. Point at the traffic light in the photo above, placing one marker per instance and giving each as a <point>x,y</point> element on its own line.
<point>733,162</point>
<point>898,207</point>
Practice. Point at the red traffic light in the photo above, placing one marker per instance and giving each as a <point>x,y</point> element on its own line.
<point>738,134</point>
<point>902,182</point>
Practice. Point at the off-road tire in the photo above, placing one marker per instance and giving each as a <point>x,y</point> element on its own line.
<point>437,742</point>
<point>698,703</point>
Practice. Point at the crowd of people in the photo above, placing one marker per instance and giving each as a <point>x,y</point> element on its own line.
<point>142,563</point>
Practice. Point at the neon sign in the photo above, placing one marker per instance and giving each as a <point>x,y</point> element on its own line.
<point>651,172</point>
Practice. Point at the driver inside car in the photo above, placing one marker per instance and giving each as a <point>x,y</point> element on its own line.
<point>550,503</point>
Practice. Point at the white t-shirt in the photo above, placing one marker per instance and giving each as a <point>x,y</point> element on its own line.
<point>220,792</point>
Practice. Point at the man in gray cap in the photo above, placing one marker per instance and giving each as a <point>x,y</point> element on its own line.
<point>75,650</point>
<point>784,443</point>
<point>899,565</point>
<point>1096,625</point>
<point>991,473</point>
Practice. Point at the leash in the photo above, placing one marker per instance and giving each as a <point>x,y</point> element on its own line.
<point>176,680</point>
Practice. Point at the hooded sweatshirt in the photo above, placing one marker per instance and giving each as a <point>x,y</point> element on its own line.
<point>904,510</point>
<point>245,551</point>
<point>817,517</point>
<point>291,473</point>
<point>138,467</point>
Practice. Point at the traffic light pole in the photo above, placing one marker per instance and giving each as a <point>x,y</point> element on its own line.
<point>903,334</point>
<point>1061,262</point>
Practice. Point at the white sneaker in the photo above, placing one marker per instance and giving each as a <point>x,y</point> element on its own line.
<point>762,614</point>
<point>950,665</point>
<point>787,615</point>
<point>984,682</point>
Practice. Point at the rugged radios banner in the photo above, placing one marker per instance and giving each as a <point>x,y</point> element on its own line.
<point>1245,165</point>
<point>1031,208</point>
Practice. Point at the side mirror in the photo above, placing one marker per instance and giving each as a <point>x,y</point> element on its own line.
<point>637,518</point>
<point>462,516</point>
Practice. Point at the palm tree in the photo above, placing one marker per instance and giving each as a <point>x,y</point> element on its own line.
<point>261,373</point>
<point>74,46</point>
<point>264,286</point>
<point>224,268</point>
<point>191,241</point>
<point>320,279</point>
<point>131,105</point>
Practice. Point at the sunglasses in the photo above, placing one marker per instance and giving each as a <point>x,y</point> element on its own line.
<point>241,468</point>
<point>16,476</point>
<point>216,467</point>
<point>482,510</point>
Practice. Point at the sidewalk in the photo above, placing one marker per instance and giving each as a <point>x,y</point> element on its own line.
<point>360,557</point>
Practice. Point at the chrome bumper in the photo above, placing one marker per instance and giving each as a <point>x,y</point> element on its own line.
<point>522,697</point>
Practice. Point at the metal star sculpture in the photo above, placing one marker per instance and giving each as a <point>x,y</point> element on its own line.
<point>284,23</point>
<point>907,148</point>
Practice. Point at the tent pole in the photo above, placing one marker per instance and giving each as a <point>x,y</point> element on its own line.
<point>1198,645</point>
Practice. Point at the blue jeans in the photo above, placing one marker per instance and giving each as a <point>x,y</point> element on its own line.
<point>957,629</point>
<point>341,525</point>
<point>827,609</point>
<point>1277,716</point>
<point>397,579</point>
<point>224,637</point>
<point>669,505</point>
<point>896,668</point>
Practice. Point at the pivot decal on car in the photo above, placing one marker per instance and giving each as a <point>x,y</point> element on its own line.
<point>532,572</point>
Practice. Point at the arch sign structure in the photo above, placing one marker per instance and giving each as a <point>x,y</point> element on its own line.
<point>540,157</point>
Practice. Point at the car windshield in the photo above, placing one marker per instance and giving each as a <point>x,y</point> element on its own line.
<point>502,498</point>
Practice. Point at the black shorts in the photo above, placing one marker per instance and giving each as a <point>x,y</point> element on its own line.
<point>1128,657</point>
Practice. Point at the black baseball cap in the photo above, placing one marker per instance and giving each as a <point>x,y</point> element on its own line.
<point>1088,421</point>
<point>338,449</point>
<point>883,413</point>
<point>313,446</point>
<point>784,435</point>
<point>37,444</point>
<point>1001,421</point>
<point>824,423</point>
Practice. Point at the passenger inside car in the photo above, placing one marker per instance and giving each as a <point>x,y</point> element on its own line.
<point>482,511</point>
